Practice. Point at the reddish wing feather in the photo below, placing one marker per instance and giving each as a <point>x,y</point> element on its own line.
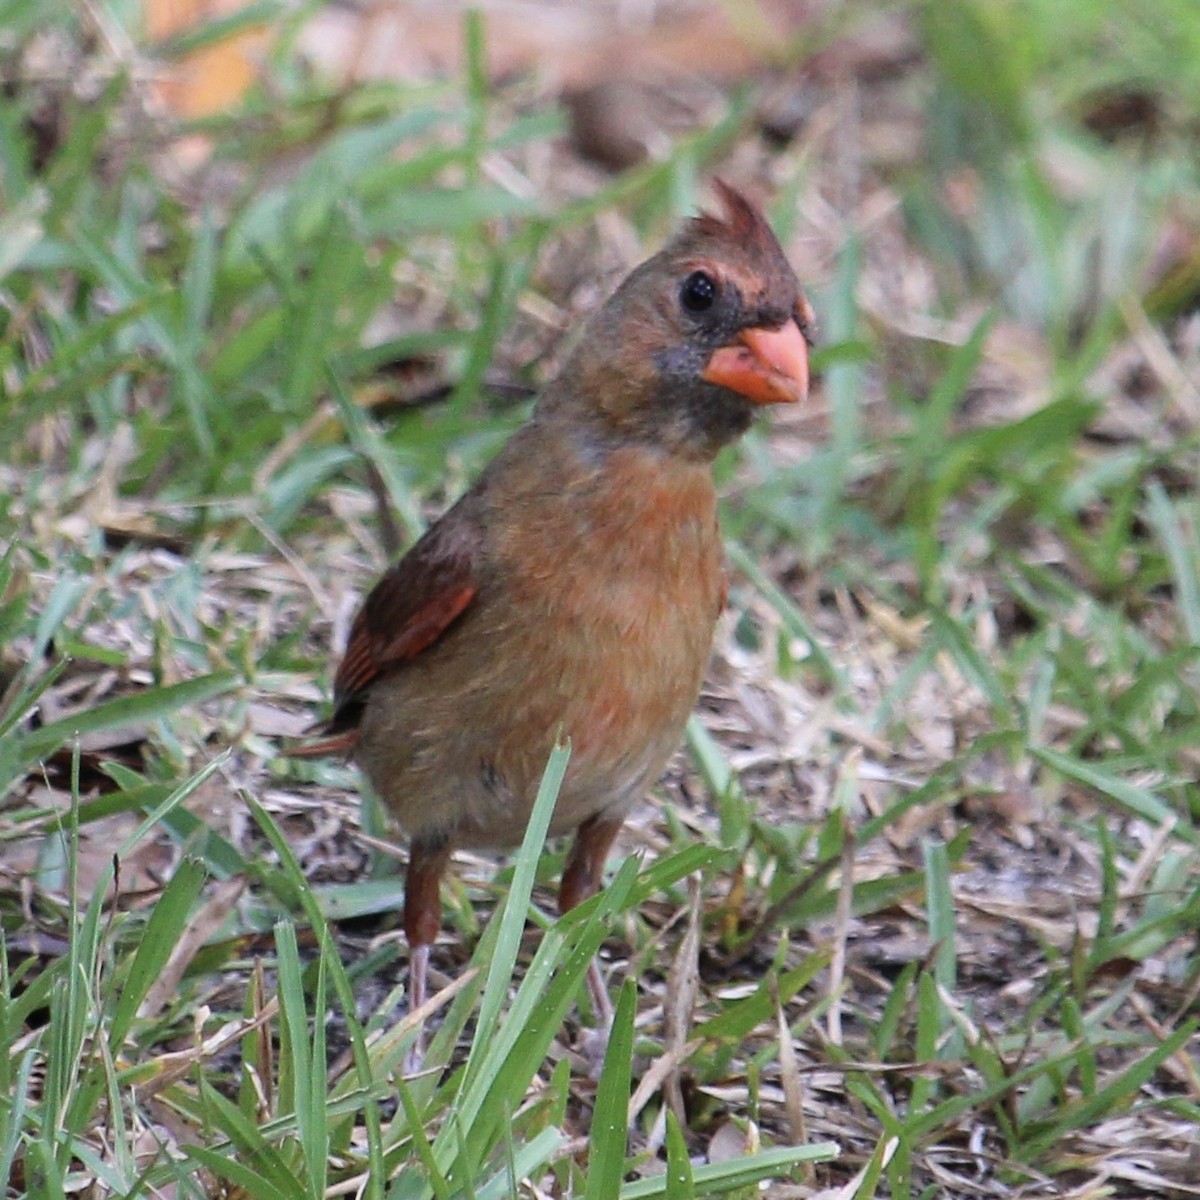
<point>411,607</point>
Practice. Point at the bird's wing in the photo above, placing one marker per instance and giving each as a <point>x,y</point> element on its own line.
<point>410,608</point>
<point>407,611</point>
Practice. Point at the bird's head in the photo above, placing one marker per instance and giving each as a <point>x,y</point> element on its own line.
<point>695,339</point>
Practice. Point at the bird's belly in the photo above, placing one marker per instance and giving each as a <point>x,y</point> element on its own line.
<point>458,746</point>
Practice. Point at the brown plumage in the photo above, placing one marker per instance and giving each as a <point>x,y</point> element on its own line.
<point>578,582</point>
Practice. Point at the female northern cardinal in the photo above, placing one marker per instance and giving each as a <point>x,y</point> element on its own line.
<point>577,584</point>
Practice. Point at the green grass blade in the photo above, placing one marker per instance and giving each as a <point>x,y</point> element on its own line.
<point>167,921</point>
<point>1183,555</point>
<point>305,1092</point>
<point>529,1161</point>
<point>681,1184</point>
<point>610,1115</point>
<point>1137,800</point>
<point>939,903</point>
<point>112,714</point>
<point>714,1179</point>
<point>516,905</point>
<point>301,893</point>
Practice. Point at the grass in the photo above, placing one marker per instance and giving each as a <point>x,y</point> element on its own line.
<point>916,912</point>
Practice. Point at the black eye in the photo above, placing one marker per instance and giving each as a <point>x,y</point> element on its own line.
<point>699,292</point>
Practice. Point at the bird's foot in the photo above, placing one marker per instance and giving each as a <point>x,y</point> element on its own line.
<point>593,1041</point>
<point>414,1059</point>
<point>418,988</point>
<point>592,1046</point>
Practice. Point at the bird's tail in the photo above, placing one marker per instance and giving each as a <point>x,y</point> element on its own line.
<point>340,741</point>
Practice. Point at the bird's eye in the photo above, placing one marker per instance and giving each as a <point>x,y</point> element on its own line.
<point>699,292</point>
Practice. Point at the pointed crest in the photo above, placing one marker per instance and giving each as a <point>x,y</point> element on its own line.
<point>741,222</point>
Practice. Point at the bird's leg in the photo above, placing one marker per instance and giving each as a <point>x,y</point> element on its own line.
<point>427,858</point>
<point>581,878</point>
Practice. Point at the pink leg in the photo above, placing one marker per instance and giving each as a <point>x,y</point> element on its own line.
<point>422,920</point>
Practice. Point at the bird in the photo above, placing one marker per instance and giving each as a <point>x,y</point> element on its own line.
<point>577,584</point>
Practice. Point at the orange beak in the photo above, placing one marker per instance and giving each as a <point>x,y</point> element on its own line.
<point>767,366</point>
